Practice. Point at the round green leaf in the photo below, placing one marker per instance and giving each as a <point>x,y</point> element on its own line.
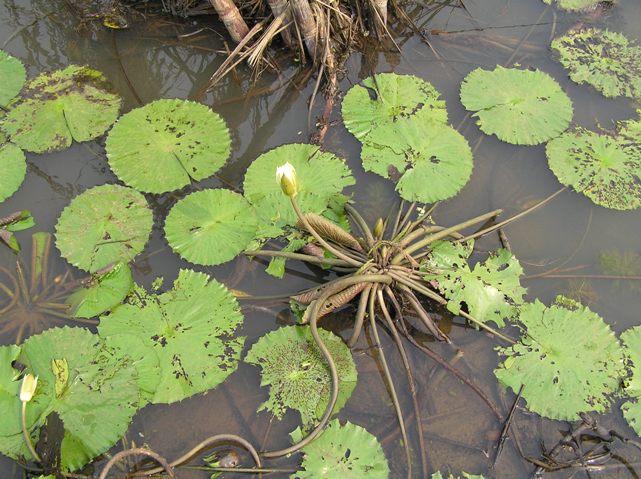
<point>568,360</point>
<point>13,167</point>
<point>211,226</point>
<point>296,372</point>
<point>345,452</point>
<point>101,292</point>
<point>55,108</point>
<point>603,59</point>
<point>104,225</point>
<point>321,179</point>
<point>187,329</point>
<point>13,77</point>
<point>166,144</point>
<point>574,5</point>
<point>433,160</point>
<point>521,107</point>
<point>386,98</point>
<point>631,340</point>
<point>604,166</point>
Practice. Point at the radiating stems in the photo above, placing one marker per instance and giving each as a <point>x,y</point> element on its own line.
<point>360,317</point>
<point>417,287</point>
<point>412,225</point>
<point>297,256</point>
<point>362,225</point>
<point>486,327</point>
<point>25,432</point>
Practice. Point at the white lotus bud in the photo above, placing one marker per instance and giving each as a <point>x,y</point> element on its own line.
<point>286,176</point>
<point>28,388</point>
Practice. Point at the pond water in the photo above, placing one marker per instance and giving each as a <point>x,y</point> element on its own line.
<point>167,57</point>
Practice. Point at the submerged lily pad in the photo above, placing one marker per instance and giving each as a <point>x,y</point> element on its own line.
<point>521,107</point>
<point>13,77</point>
<point>101,292</point>
<point>295,371</point>
<point>604,166</point>
<point>386,98</point>
<point>346,452</point>
<point>13,166</point>
<point>321,179</point>
<point>104,225</point>
<point>166,144</point>
<point>568,360</point>
<point>575,5</point>
<point>434,161</point>
<point>631,340</point>
<point>186,331</point>
<point>492,290</point>
<point>55,108</point>
<point>211,226</point>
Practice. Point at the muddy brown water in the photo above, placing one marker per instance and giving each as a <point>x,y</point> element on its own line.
<point>155,60</point>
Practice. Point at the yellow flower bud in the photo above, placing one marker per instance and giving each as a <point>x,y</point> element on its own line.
<point>286,176</point>
<point>378,228</point>
<point>28,388</point>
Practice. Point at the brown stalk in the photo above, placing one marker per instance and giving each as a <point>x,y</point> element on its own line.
<point>231,18</point>
<point>280,9</point>
<point>306,24</point>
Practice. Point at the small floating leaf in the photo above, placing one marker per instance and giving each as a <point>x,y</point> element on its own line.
<point>18,221</point>
<point>345,452</point>
<point>604,166</point>
<point>521,107</point>
<point>603,59</point>
<point>210,227</point>
<point>101,292</point>
<point>568,360</point>
<point>166,144</point>
<point>575,5</point>
<point>55,108</point>
<point>13,167</point>
<point>186,330</point>
<point>631,340</point>
<point>104,225</point>
<point>13,77</point>
<point>295,371</point>
<point>386,98</point>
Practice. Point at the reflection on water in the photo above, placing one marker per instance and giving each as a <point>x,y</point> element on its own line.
<point>166,57</point>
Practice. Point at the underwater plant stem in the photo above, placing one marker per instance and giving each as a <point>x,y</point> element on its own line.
<point>424,316</point>
<point>487,328</point>
<point>24,289</point>
<point>298,256</point>
<point>242,470</point>
<point>25,432</point>
<point>409,283</point>
<point>165,466</point>
<point>506,427</point>
<point>362,225</point>
<point>360,317</point>
<point>584,276</point>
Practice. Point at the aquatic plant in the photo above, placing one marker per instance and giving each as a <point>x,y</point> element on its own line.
<point>17,221</point>
<point>13,76</point>
<point>14,168</point>
<point>631,408</point>
<point>575,5</point>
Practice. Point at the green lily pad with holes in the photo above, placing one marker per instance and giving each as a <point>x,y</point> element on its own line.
<point>13,77</point>
<point>568,360</point>
<point>96,397</point>
<point>430,162</point>
<point>167,144</point>
<point>101,292</point>
<point>491,290</point>
<point>211,227</point>
<point>346,452</point>
<point>631,340</point>
<point>574,5</point>
<point>296,372</point>
<point>386,98</point>
<point>188,330</point>
<point>321,176</point>
<point>13,166</point>
<point>521,107</point>
<point>104,225</point>
<point>76,103</point>
<point>605,166</point>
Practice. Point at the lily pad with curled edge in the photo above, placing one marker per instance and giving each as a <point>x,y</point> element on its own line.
<point>604,166</point>
<point>346,452</point>
<point>521,107</point>
<point>491,290</point>
<point>188,330</point>
<point>210,227</point>
<point>167,144</point>
<point>385,98</point>
<point>575,5</point>
<point>631,340</point>
<point>104,225</point>
<point>295,371</point>
<point>568,360</point>
<point>101,291</point>
<point>606,60</point>
<point>321,178</point>
<point>76,103</point>
<point>13,166</point>
<point>13,77</point>
<point>434,162</point>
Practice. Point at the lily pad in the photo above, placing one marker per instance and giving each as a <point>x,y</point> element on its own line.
<point>568,360</point>
<point>104,225</point>
<point>76,103</point>
<point>385,98</point>
<point>167,144</point>
<point>521,107</point>
<point>14,168</point>
<point>321,179</point>
<point>604,166</point>
<point>574,5</point>
<point>346,452</point>
<point>13,77</point>
<point>187,330</point>
<point>295,371</point>
<point>491,290</point>
<point>631,340</point>
<point>434,161</point>
<point>211,226</point>
<point>101,292</point>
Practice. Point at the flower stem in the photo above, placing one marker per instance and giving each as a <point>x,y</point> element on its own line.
<point>25,432</point>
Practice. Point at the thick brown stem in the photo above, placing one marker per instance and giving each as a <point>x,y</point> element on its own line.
<point>379,14</point>
<point>306,24</point>
<point>231,18</point>
<point>279,7</point>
